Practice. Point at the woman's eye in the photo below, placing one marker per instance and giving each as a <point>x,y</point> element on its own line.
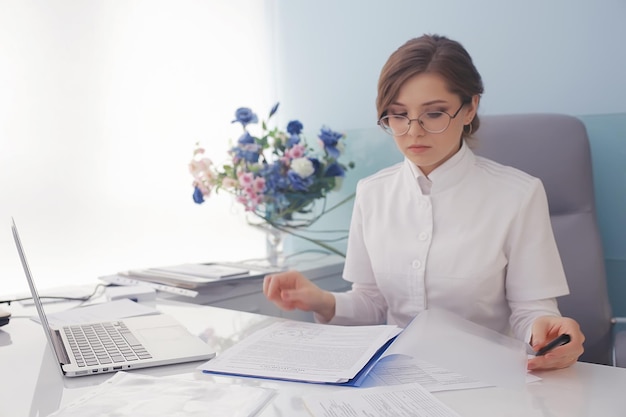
<point>433,114</point>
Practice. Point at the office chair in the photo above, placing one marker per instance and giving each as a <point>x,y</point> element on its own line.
<point>555,148</point>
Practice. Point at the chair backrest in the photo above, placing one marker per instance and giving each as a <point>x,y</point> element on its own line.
<point>555,148</point>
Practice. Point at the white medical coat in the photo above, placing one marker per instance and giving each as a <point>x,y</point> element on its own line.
<point>473,238</point>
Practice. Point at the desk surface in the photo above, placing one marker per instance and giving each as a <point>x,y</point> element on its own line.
<point>32,385</point>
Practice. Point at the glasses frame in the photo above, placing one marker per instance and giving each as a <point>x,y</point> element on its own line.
<point>419,121</point>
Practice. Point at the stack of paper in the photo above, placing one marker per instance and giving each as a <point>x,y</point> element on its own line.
<point>188,279</point>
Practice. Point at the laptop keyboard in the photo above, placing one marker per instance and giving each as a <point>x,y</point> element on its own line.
<point>104,343</point>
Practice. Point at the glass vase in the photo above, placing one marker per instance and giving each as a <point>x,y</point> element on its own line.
<point>274,246</point>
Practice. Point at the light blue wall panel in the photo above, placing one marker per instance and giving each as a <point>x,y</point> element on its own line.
<point>561,56</point>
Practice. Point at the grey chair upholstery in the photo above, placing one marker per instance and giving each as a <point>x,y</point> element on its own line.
<point>555,148</point>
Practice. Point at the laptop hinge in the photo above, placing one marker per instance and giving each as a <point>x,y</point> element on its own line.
<point>59,348</point>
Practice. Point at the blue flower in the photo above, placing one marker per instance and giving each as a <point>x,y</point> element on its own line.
<point>246,138</point>
<point>293,140</point>
<point>294,127</point>
<point>247,152</point>
<point>330,139</point>
<point>297,182</point>
<point>198,198</point>
<point>274,110</point>
<point>334,170</point>
<point>316,164</point>
<point>245,116</point>
<point>274,180</point>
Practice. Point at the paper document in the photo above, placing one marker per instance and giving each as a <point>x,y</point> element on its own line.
<point>454,343</point>
<point>321,353</point>
<point>112,310</point>
<point>131,395</point>
<point>396,370</point>
<point>214,271</point>
<point>124,280</point>
<point>408,400</point>
<point>193,276</point>
<point>301,351</point>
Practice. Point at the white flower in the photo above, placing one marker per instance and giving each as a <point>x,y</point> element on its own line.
<point>303,167</point>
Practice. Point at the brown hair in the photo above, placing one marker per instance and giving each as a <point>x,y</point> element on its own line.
<point>430,54</point>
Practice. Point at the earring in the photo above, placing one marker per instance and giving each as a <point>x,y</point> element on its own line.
<point>470,130</point>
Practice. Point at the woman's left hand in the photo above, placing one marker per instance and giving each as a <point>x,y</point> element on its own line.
<point>547,328</point>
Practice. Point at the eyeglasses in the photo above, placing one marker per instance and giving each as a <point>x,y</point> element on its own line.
<point>430,121</point>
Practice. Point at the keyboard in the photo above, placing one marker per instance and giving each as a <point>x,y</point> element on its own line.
<point>104,343</point>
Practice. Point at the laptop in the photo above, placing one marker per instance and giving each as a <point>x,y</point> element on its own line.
<point>130,343</point>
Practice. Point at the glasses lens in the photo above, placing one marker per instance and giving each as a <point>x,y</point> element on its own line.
<point>434,121</point>
<point>395,125</point>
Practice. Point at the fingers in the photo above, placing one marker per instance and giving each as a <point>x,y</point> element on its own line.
<point>547,328</point>
<point>560,357</point>
<point>291,290</point>
<point>276,282</point>
<point>285,288</point>
<point>272,288</point>
<point>266,287</point>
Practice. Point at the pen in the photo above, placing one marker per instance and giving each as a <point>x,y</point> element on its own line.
<point>559,341</point>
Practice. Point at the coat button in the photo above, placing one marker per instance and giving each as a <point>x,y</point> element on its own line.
<point>416,264</point>
<point>423,236</point>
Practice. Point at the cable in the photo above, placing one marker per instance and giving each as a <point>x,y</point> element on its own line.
<point>53,297</point>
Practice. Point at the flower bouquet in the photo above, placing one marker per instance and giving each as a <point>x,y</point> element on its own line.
<point>276,175</point>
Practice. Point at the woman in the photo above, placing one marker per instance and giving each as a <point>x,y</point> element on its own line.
<point>445,228</point>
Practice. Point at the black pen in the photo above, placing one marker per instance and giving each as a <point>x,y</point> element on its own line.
<point>559,341</point>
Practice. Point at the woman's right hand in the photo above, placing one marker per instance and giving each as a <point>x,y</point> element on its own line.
<point>292,290</point>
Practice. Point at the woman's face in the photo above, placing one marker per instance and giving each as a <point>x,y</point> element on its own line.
<point>428,93</point>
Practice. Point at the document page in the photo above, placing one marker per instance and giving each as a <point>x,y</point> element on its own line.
<point>459,345</point>
<point>132,395</point>
<point>407,400</point>
<point>395,370</point>
<point>301,351</point>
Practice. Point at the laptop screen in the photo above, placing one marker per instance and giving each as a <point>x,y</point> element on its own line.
<point>33,290</point>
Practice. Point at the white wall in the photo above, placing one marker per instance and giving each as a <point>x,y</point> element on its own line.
<point>101,103</point>
<point>565,56</point>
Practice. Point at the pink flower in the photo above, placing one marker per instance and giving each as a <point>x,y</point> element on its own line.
<point>296,151</point>
<point>242,200</point>
<point>245,179</point>
<point>259,184</point>
<point>229,183</point>
<point>255,201</point>
<point>201,168</point>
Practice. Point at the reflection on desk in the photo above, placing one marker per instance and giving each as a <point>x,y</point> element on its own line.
<point>33,386</point>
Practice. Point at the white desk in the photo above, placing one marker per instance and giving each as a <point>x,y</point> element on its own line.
<point>36,388</point>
